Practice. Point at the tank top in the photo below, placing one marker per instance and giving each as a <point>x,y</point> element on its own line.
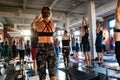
<point>99,38</point>
<point>65,42</point>
<point>85,39</point>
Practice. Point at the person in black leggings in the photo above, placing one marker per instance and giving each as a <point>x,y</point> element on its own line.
<point>46,54</point>
<point>65,48</point>
<point>98,43</point>
<point>117,32</point>
<point>85,42</point>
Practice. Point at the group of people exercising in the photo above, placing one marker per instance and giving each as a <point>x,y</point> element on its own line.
<point>44,49</point>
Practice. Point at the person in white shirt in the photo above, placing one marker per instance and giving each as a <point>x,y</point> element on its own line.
<point>21,48</point>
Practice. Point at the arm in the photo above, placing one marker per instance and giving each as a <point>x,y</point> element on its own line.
<point>84,22</point>
<point>34,21</point>
<point>117,14</point>
<point>54,24</point>
<point>98,27</point>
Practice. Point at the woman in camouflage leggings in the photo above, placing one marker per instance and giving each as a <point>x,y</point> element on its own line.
<point>45,30</point>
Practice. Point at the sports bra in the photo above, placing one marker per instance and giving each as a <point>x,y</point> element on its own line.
<point>48,29</point>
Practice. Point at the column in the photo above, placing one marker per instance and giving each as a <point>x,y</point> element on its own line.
<point>92,26</point>
<point>67,22</point>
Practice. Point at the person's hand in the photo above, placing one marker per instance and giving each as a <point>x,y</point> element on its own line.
<point>36,18</point>
<point>83,18</point>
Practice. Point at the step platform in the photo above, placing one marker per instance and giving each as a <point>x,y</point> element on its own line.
<point>79,75</point>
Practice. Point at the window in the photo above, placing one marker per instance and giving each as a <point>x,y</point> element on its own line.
<point>26,32</point>
<point>60,32</point>
<point>111,23</point>
<point>77,33</point>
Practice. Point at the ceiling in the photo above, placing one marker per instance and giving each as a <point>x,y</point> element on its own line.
<point>22,12</point>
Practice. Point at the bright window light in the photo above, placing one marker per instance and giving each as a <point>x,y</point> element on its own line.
<point>77,33</point>
<point>112,23</point>
<point>111,32</point>
<point>111,26</point>
<point>60,32</point>
<point>26,38</point>
<point>26,32</point>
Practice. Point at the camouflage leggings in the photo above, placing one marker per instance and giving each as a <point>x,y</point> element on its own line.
<point>45,54</point>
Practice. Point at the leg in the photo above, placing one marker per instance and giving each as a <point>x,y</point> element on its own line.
<point>117,51</point>
<point>51,60</point>
<point>34,67</point>
<point>86,59</point>
<point>89,59</point>
<point>84,51</point>
<point>41,65</point>
<point>99,53</point>
<point>99,56</point>
<point>64,56</point>
<point>33,51</point>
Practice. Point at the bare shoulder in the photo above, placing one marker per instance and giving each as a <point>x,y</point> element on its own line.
<point>52,23</point>
<point>38,23</point>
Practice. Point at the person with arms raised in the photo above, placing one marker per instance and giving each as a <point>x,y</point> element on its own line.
<point>85,43</point>
<point>117,32</point>
<point>46,54</point>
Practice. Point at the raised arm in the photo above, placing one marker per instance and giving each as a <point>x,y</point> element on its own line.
<point>34,21</point>
<point>117,14</point>
<point>98,27</point>
<point>84,22</point>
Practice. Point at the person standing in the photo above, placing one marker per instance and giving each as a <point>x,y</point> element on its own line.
<point>57,47</point>
<point>0,50</point>
<point>85,42</point>
<point>34,43</point>
<point>21,50</point>
<point>46,54</point>
<point>98,43</point>
<point>104,45</point>
<point>117,32</point>
<point>112,48</point>
<point>14,49</point>
<point>6,50</point>
<point>80,40</point>
<point>73,43</point>
<point>27,49</point>
<point>77,47</point>
<point>65,48</point>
